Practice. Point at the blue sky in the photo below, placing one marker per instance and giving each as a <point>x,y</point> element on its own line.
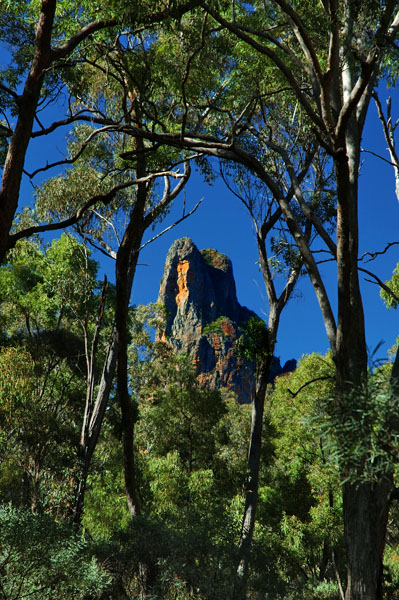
<point>221,222</point>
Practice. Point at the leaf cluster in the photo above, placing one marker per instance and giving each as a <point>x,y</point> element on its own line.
<point>41,559</point>
<point>254,345</point>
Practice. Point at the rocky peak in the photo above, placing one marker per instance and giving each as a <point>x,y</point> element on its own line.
<point>204,316</point>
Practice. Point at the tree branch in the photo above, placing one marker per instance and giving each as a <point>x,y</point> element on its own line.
<point>309,214</point>
<point>373,255</point>
<point>70,161</point>
<point>74,119</point>
<point>378,156</point>
<point>74,41</point>
<point>296,86</point>
<point>321,378</point>
<point>168,195</point>
<point>382,285</point>
<point>388,130</point>
<point>304,41</point>
<point>183,218</point>
<point>11,93</point>
<point>99,198</point>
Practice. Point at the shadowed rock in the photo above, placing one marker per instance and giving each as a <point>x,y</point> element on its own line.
<point>204,316</point>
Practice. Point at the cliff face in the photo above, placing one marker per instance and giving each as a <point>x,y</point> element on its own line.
<point>204,316</point>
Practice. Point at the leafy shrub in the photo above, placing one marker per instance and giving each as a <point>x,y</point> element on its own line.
<point>40,559</point>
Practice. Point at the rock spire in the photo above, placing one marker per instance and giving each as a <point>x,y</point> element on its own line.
<point>204,316</point>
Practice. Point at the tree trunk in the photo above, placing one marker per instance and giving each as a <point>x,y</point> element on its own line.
<point>351,348</point>
<point>125,268</point>
<point>365,510</point>
<point>129,416</point>
<point>252,484</point>
<point>92,427</point>
<point>276,306</point>
<point>27,105</point>
<point>365,504</point>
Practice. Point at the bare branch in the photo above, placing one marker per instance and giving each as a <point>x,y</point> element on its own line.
<point>102,247</point>
<point>309,214</point>
<point>388,130</point>
<point>321,378</point>
<point>183,218</point>
<point>168,195</point>
<point>373,255</point>
<point>378,156</point>
<point>382,285</point>
<point>79,116</point>
<point>70,161</point>
<point>314,274</point>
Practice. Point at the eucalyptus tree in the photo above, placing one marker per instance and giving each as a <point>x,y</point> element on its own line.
<point>327,57</point>
<point>122,199</point>
<point>42,42</point>
<point>283,267</point>
<point>49,300</point>
<point>332,81</point>
<point>99,75</point>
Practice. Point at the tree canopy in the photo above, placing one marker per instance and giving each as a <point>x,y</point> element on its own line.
<point>114,457</point>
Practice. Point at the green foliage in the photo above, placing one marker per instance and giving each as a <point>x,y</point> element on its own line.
<point>49,304</point>
<point>217,326</point>
<point>213,258</point>
<point>192,446</point>
<point>362,433</point>
<point>42,290</point>
<point>40,559</point>
<point>391,556</point>
<point>36,433</point>
<point>176,414</point>
<point>393,284</point>
<point>192,460</point>
<point>305,497</point>
<point>106,510</point>
<point>254,344</point>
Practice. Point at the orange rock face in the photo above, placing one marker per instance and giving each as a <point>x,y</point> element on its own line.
<point>182,283</point>
<point>204,316</point>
